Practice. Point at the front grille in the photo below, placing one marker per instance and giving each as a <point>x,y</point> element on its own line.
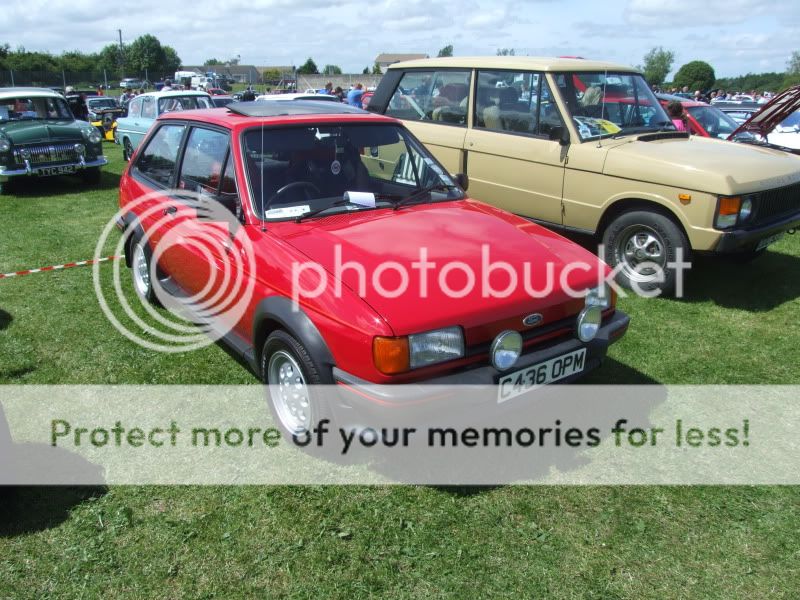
<point>774,204</point>
<point>43,154</point>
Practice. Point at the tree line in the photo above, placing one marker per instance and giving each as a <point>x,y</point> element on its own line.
<point>146,55</point>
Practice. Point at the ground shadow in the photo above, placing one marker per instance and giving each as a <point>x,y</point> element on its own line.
<point>613,372</point>
<point>5,319</point>
<point>28,509</point>
<point>37,187</point>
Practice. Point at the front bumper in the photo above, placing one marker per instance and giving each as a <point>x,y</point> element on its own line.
<point>740,240</point>
<point>30,170</point>
<point>360,398</point>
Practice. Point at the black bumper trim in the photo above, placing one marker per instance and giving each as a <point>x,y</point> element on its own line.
<point>739,240</point>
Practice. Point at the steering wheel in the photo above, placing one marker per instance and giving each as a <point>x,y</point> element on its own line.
<point>291,186</point>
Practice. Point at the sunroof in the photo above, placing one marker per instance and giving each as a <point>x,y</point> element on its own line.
<point>296,107</point>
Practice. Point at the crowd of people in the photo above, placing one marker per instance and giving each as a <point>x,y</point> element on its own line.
<point>718,95</point>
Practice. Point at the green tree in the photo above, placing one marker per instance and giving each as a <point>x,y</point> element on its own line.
<point>172,62</point>
<point>505,52</point>
<point>792,65</point>
<point>271,76</point>
<point>332,70</point>
<point>698,75</point>
<point>446,51</point>
<point>145,54</point>
<point>78,61</point>
<point>212,62</point>
<point>4,51</point>
<point>111,59</point>
<point>365,71</point>
<point>376,69</point>
<point>308,68</point>
<point>657,63</point>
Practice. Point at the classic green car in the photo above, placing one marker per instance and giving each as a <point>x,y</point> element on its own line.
<point>40,137</point>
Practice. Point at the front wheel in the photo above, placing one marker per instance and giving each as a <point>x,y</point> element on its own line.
<point>643,244</point>
<point>141,271</point>
<point>127,149</point>
<point>290,372</point>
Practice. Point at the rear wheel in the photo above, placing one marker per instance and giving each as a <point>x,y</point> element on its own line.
<point>642,244</point>
<point>127,149</point>
<point>142,274</point>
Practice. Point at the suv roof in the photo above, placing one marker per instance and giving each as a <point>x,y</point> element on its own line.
<point>535,63</point>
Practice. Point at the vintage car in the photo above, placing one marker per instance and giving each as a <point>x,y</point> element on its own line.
<point>40,137</point>
<point>776,125</point>
<point>103,112</point>
<point>298,96</point>
<point>144,109</point>
<point>220,101</point>
<point>294,186</point>
<point>705,120</point>
<point>585,146</point>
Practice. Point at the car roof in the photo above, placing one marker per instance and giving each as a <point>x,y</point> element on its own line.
<point>297,96</point>
<point>535,63</point>
<point>170,93</point>
<point>278,113</point>
<point>13,92</point>
<point>681,99</point>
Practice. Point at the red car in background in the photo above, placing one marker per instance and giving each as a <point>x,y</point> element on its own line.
<point>704,119</point>
<point>291,191</point>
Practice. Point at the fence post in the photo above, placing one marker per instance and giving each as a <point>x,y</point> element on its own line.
<point>12,76</point>
<point>105,78</point>
<point>64,78</point>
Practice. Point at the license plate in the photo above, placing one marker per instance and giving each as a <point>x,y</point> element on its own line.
<point>524,380</point>
<point>50,171</point>
<point>768,240</point>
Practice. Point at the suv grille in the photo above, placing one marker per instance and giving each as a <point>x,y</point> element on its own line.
<point>777,203</point>
<point>48,153</point>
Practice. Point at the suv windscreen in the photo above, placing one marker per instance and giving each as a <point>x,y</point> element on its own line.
<point>31,107</point>
<point>610,104</point>
<point>302,170</point>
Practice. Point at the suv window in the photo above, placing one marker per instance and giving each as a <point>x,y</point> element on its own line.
<point>158,159</point>
<point>515,101</point>
<point>203,160</point>
<point>439,96</point>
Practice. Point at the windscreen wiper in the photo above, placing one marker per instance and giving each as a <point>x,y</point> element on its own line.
<point>340,202</point>
<point>421,193</point>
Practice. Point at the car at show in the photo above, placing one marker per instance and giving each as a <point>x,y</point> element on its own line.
<point>296,96</point>
<point>220,101</point>
<point>777,124</point>
<point>40,137</point>
<point>705,120</point>
<point>738,111</point>
<point>131,83</point>
<point>145,108</point>
<point>586,147</point>
<point>103,113</point>
<point>286,185</point>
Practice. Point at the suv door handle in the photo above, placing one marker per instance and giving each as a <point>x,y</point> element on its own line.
<point>170,210</point>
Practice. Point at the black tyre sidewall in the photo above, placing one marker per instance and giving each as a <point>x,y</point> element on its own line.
<point>671,235</point>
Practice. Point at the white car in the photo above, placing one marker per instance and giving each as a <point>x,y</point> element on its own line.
<point>287,97</point>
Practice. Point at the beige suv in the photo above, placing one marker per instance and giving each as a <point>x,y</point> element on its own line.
<point>584,146</point>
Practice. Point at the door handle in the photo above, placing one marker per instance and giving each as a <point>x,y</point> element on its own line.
<point>170,210</point>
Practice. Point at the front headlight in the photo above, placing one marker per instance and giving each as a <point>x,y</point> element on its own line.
<point>92,135</point>
<point>394,355</point>
<point>5,145</point>
<point>505,350</point>
<point>599,296</point>
<point>732,210</point>
<point>588,323</point>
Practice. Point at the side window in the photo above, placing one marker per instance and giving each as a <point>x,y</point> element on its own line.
<point>439,96</point>
<point>508,101</point>
<point>158,159</point>
<point>549,115</point>
<point>203,160</point>
<point>229,178</point>
<point>135,107</point>
<point>148,108</point>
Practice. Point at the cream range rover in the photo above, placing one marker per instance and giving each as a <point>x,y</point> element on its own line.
<point>584,146</point>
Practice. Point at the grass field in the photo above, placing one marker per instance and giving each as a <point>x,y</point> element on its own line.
<point>738,325</point>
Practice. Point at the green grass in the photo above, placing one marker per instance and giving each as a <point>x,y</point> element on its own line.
<point>739,325</point>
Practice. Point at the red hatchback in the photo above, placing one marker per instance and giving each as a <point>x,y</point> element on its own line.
<point>328,246</point>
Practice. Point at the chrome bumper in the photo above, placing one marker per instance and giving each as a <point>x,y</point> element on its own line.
<point>30,170</point>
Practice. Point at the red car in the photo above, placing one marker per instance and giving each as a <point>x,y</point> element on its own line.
<point>326,214</point>
<point>704,119</point>
<point>216,92</point>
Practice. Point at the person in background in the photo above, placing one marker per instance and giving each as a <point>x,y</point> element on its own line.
<point>675,112</point>
<point>249,95</point>
<point>99,90</point>
<point>339,93</point>
<point>354,95</point>
<point>328,89</point>
<point>167,86</point>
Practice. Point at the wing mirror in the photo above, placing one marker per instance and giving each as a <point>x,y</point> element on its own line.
<point>559,133</point>
<point>462,180</point>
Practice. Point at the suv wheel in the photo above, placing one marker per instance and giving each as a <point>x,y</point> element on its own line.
<point>643,243</point>
<point>289,371</point>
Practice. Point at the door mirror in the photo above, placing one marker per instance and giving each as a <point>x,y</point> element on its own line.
<point>220,207</point>
<point>559,133</point>
<point>463,181</point>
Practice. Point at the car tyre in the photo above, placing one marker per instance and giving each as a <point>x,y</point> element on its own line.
<point>289,372</point>
<point>638,237</point>
<point>141,259</point>
<point>127,149</point>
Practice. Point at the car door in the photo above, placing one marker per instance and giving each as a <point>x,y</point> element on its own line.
<point>435,106</point>
<point>511,159</point>
<point>141,125</point>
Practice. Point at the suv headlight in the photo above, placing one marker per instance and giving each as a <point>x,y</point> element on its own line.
<point>92,135</point>
<point>394,355</point>
<point>599,296</point>
<point>732,210</point>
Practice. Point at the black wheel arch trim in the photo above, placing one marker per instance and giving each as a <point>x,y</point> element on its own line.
<point>298,324</point>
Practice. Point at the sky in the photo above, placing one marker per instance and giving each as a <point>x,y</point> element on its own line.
<point>734,36</point>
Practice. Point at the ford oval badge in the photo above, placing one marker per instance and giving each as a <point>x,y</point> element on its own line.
<point>532,320</point>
